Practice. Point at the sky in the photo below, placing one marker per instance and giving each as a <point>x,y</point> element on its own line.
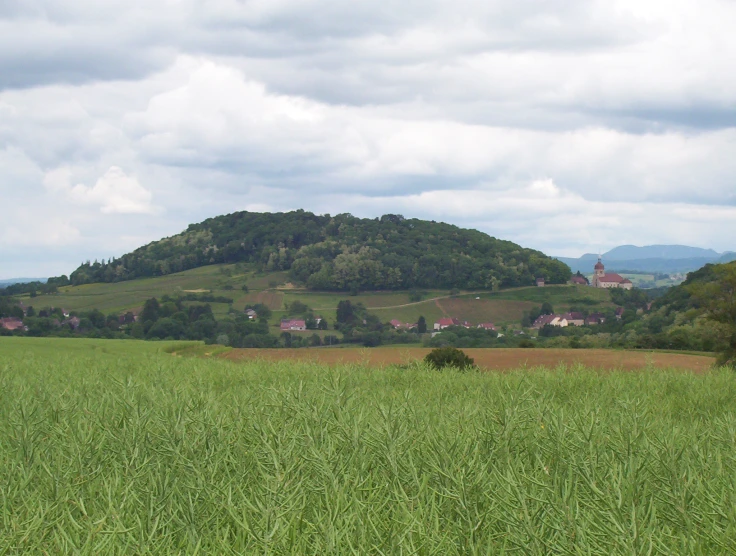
<point>568,126</point>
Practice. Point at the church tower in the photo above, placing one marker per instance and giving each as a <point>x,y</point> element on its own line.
<point>600,272</point>
<point>599,269</point>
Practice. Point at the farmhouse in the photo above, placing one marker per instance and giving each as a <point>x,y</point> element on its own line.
<point>444,323</point>
<point>601,279</point>
<point>540,282</point>
<point>579,280</point>
<point>293,324</point>
<point>574,318</point>
<point>487,326</point>
<point>551,320</point>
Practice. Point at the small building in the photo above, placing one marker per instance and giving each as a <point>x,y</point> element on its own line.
<point>543,320</point>
<point>251,314</point>
<point>487,326</point>
<point>293,324</point>
<point>619,312</point>
<point>595,319</point>
<point>445,323</point>
<point>540,282</point>
<point>396,323</point>
<point>574,318</point>
<point>579,280</point>
<point>12,324</point>
<point>551,320</point>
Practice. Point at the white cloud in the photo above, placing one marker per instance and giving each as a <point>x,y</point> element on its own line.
<point>114,192</point>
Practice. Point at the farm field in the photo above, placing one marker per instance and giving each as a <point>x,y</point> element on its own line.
<point>495,359</point>
<point>119,447</point>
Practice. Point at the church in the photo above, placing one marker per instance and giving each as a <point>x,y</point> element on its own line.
<point>601,279</point>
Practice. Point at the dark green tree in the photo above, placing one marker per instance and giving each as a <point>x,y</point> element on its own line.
<point>449,357</point>
<point>422,325</point>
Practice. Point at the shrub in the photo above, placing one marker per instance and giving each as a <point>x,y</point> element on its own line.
<point>449,357</point>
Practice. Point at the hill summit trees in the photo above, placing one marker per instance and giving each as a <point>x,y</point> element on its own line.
<point>339,253</point>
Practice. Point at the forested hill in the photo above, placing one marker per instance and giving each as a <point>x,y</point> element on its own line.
<point>339,253</point>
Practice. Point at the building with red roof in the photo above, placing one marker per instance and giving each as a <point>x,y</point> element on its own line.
<point>446,322</point>
<point>12,324</point>
<point>293,324</point>
<point>603,279</point>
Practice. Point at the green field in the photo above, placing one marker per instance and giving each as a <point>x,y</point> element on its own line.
<point>121,448</point>
<point>501,307</point>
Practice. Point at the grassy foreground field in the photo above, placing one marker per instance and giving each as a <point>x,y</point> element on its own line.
<point>120,448</point>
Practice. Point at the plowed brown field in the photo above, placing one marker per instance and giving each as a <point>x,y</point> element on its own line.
<point>491,359</point>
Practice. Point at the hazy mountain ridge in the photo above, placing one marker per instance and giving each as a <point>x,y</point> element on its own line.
<point>12,281</point>
<point>650,258</point>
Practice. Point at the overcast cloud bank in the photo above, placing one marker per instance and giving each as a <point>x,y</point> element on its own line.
<point>564,126</point>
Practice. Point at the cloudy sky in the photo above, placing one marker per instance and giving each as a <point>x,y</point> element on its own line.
<point>569,126</point>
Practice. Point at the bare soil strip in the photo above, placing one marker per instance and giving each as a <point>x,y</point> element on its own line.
<point>489,359</point>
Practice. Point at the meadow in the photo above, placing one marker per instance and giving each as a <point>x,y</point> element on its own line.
<point>120,447</point>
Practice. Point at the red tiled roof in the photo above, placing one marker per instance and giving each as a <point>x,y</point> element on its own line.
<point>573,316</point>
<point>612,277</point>
<point>292,324</point>
<point>543,320</point>
<point>11,323</point>
<point>579,280</point>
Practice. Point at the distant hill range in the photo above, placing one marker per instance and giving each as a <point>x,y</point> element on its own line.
<point>339,253</point>
<point>11,281</point>
<point>650,258</point>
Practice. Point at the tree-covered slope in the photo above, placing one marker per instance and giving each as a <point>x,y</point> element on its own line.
<point>339,253</point>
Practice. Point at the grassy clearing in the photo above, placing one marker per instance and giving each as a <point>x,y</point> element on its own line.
<point>120,448</point>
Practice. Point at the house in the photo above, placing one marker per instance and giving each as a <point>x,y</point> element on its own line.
<point>602,279</point>
<point>293,324</point>
<point>12,324</point>
<point>251,314</point>
<point>595,318</point>
<point>560,321</point>
<point>551,320</point>
<point>540,282</point>
<point>487,326</point>
<point>445,322</point>
<point>619,312</point>
<point>543,320</point>
<point>579,280</point>
<point>396,323</point>
<point>574,318</point>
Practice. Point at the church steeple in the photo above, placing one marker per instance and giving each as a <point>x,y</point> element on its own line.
<point>599,268</point>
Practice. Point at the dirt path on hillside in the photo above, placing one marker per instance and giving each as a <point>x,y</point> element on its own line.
<point>431,299</point>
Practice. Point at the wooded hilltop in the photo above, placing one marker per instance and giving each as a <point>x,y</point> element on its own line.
<point>339,253</point>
